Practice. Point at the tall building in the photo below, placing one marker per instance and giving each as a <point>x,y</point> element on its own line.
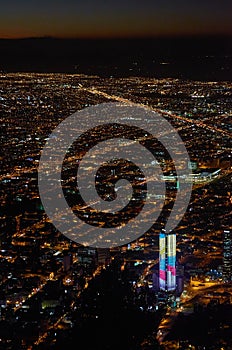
<point>67,262</point>
<point>227,256</point>
<point>155,281</point>
<point>179,279</point>
<point>103,256</point>
<point>167,261</point>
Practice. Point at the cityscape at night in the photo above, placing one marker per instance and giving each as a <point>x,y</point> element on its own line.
<point>163,289</point>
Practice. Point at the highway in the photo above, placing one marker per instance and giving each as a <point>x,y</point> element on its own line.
<point>169,114</point>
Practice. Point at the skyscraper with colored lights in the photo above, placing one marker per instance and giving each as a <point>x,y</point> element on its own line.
<point>167,261</point>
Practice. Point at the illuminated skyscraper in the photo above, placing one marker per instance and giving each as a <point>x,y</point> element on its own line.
<point>227,255</point>
<point>167,261</point>
<point>162,261</point>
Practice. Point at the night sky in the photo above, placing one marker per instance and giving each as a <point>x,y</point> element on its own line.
<point>111,18</point>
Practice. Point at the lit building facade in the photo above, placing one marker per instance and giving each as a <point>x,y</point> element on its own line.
<point>167,261</point>
<point>227,255</point>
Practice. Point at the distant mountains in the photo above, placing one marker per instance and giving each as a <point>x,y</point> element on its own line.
<point>204,58</point>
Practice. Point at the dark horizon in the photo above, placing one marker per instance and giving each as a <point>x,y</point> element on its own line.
<point>129,37</point>
<point>189,57</point>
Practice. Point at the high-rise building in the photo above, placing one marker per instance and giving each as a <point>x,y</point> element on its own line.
<point>167,261</point>
<point>179,279</point>
<point>103,256</point>
<point>67,262</point>
<point>162,261</point>
<point>227,256</point>
<point>155,281</point>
